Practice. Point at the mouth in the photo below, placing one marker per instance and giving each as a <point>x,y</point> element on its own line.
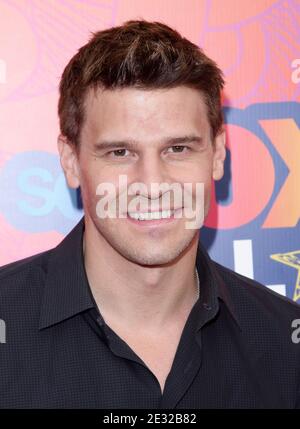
<point>153,218</point>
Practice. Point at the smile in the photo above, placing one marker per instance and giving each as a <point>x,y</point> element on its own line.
<point>165,214</point>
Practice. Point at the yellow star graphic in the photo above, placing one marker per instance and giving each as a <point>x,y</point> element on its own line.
<point>292,259</point>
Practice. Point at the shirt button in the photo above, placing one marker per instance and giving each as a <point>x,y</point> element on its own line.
<point>206,306</point>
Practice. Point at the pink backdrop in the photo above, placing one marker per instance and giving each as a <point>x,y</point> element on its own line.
<point>253,225</point>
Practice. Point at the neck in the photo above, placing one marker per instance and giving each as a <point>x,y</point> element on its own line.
<point>148,297</point>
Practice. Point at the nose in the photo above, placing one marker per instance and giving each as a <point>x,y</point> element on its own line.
<point>152,172</point>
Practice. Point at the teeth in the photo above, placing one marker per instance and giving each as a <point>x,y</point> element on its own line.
<point>151,216</point>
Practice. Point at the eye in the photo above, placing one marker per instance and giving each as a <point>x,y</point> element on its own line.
<point>179,148</point>
<point>117,153</point>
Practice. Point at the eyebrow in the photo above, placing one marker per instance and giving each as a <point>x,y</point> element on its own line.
<point>133,144</point>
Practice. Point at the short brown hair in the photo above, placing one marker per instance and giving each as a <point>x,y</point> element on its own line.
<point>141,54</point>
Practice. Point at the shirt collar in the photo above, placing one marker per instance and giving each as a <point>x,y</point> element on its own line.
<point>67,292</point>
<point>212,289</point>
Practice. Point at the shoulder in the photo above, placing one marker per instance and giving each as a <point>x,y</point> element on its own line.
<point>269,322</point>
<point>22,285</point>
<point>23,272</point>
<point>256,301</point>
<point>17,267</point>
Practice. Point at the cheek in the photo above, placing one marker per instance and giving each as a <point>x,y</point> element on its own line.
<point>91,176</point>
<point>202,197</point>
<point>96,187</point>
<point>203,175</point>
<point>207,189</point>
<point>207,197</point>
<point>88,186</point>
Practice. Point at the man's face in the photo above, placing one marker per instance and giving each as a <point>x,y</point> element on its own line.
<point>150,130</point>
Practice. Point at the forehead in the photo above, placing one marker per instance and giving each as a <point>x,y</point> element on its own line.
<point>149,112</point>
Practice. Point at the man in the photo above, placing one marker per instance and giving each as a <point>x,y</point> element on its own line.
<point>129,311</point>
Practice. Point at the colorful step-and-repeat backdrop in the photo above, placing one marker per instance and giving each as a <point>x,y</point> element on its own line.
<point>253,226</point>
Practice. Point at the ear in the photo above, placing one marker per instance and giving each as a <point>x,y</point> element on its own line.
<point>69,161</point>
<point>219,155</point>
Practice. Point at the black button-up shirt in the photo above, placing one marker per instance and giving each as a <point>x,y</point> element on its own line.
<point>235,351</point>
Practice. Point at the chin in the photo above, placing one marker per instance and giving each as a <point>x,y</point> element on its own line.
<point>160,256</point>
<point>150,260</point>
